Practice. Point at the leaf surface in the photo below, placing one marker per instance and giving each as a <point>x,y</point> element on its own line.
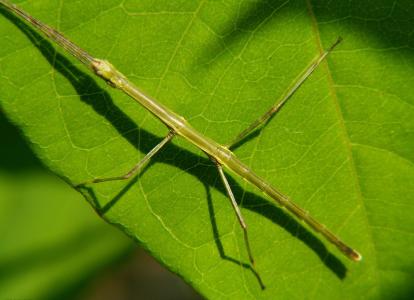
<point>52,241</point>
<point>342,147</point>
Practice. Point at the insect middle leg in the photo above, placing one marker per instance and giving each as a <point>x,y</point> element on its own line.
<point>138,166</point>
<point>279,104</point>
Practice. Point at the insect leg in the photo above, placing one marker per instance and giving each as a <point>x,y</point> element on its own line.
<point>236,209</point>
<point>279,104</point>
<point>138,166</point>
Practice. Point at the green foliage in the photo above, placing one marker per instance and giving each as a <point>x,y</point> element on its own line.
<point>52,243</point>
<point>342,147</point>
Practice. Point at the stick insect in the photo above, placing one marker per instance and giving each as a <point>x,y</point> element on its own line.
<point>220,155</point>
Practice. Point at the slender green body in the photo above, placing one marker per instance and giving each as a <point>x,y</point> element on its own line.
<point>182,128</point>
<point>223,155</point>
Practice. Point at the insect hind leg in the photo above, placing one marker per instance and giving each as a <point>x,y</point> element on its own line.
<point>266,117</point>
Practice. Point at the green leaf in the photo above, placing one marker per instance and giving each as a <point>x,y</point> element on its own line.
<point>52,242</point>
<point>342,147</point>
